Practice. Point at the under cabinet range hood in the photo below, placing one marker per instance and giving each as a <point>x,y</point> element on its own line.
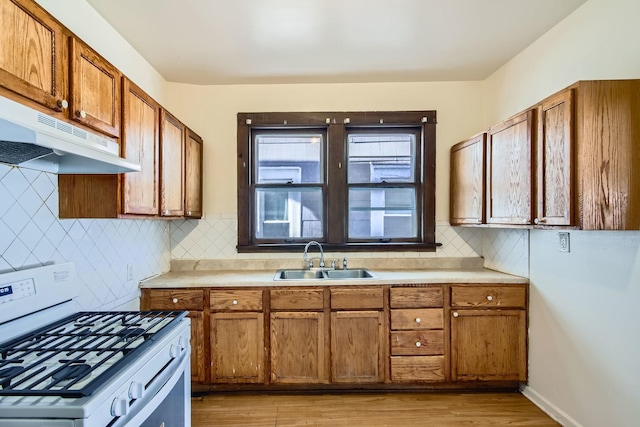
<point>29,138</point>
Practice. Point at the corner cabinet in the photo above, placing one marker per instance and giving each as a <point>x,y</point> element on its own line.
<point>467,181</point>
<point>193,175</point>
<point>191,300</point>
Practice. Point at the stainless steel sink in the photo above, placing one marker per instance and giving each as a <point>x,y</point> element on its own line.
<point>354,273</point>
<point>320,274</point>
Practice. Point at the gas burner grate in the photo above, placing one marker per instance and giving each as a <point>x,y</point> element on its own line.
<point>76,355</point>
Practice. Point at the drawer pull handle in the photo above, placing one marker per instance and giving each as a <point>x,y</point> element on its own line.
<point>234,302</point>
<point>418,320</point>
<point>175,300</point>
<point>489,298</point>
<point>455,314</point>
<point>418,344</point>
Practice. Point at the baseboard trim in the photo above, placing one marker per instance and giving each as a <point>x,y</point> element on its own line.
<point>549,408</point>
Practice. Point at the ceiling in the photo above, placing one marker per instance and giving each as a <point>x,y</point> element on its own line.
<point>319,41</point>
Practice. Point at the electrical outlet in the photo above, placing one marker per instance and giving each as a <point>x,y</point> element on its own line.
<point>564,243</point>
<point>129,272</point>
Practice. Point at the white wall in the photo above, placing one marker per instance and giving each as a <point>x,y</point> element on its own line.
<point>213,109</point>
<point>584,334</point>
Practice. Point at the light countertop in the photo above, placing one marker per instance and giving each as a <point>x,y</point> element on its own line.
<point>194,278</point>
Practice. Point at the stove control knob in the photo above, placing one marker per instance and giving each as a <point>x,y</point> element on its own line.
<point>119,407</point>
<point>183,342</point>
<point>136,391</point>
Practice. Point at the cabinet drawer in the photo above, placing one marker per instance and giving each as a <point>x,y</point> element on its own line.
<point>417,368</point>
<point>297,299</point>
<point>354,299</point>
<point>176,299</point>
<point>417,297</point>
<point>236,300</point>
<point>417,343</point>
<point>417,319</point>
<point>488,296</point>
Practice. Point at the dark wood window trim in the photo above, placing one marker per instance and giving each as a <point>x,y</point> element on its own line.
<point>336,124</point>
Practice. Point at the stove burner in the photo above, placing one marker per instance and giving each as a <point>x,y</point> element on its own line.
<point>73,372</point>
<point>130,334</point>
<point>7,374</point>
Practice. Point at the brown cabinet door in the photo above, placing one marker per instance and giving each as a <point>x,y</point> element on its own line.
<point>197,346</point>
<point>193,176</point>
<point>357,339</point>
<point>172,141</point>
<point>297,348</point>
<point>95,90</point>
<point>467,181</point>
<point>509,171</point>
<point>554,154</point>
<point>488,345</point>
<point>31,53</point>
<point>237,348</point>
<point>140,144</point>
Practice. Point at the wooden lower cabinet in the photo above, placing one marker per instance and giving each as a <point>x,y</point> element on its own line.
<point>488,345</point>
<point>460,336</point>
<point>237,348</point>
<point>197,347</point>
<point>356,346</point>
<point>297,348</point>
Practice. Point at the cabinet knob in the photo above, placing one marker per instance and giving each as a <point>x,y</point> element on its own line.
<point>165,212</point>
<point>455,314</point>
<point>418,320</point>
<point>234,302</point>
<point>175,300</point>
<point>81,114</point>
<point>489,298</point>
<point>418,344</point>
<point>62,103</point>
<point>189,213</point>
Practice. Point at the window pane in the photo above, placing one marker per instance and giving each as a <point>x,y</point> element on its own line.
<point>381,157</point>
<point>384,213</point>
<point>288,214</point>
<point>294,158</point>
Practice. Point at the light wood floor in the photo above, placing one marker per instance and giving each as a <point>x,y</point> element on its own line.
<point>367,409</point>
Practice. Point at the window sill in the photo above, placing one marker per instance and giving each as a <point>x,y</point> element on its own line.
<point>351,247</point>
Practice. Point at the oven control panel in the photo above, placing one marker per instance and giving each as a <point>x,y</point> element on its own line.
<point>16,290</point>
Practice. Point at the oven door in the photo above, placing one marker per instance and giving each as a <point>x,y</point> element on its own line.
<point>167,401</point>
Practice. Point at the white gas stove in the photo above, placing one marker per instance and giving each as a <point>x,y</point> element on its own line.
<point>63,367</point>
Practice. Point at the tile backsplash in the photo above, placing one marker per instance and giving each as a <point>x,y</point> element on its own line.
<point>215,237</point>
<point>111,256</point>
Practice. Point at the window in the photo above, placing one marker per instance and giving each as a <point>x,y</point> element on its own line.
<point>349,180</point>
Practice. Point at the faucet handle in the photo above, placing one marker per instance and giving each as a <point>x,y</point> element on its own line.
<point>344,263</point>
<point>334,263</point>
<point>311,263</point>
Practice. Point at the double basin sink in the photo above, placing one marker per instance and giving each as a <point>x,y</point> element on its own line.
<point>322,274</point>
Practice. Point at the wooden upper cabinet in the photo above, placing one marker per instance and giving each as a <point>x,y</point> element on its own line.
<point>172,152</point>
<point>509,183</point>
<point>193,175</point>
<point>32,54</point>
<point>140,144</point>
<point>467,181</point>
<point>554,161</point>
<point>95,90</point>
<point>608,154</point>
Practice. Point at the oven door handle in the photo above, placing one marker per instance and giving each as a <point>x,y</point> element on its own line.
<point>158,390</point>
